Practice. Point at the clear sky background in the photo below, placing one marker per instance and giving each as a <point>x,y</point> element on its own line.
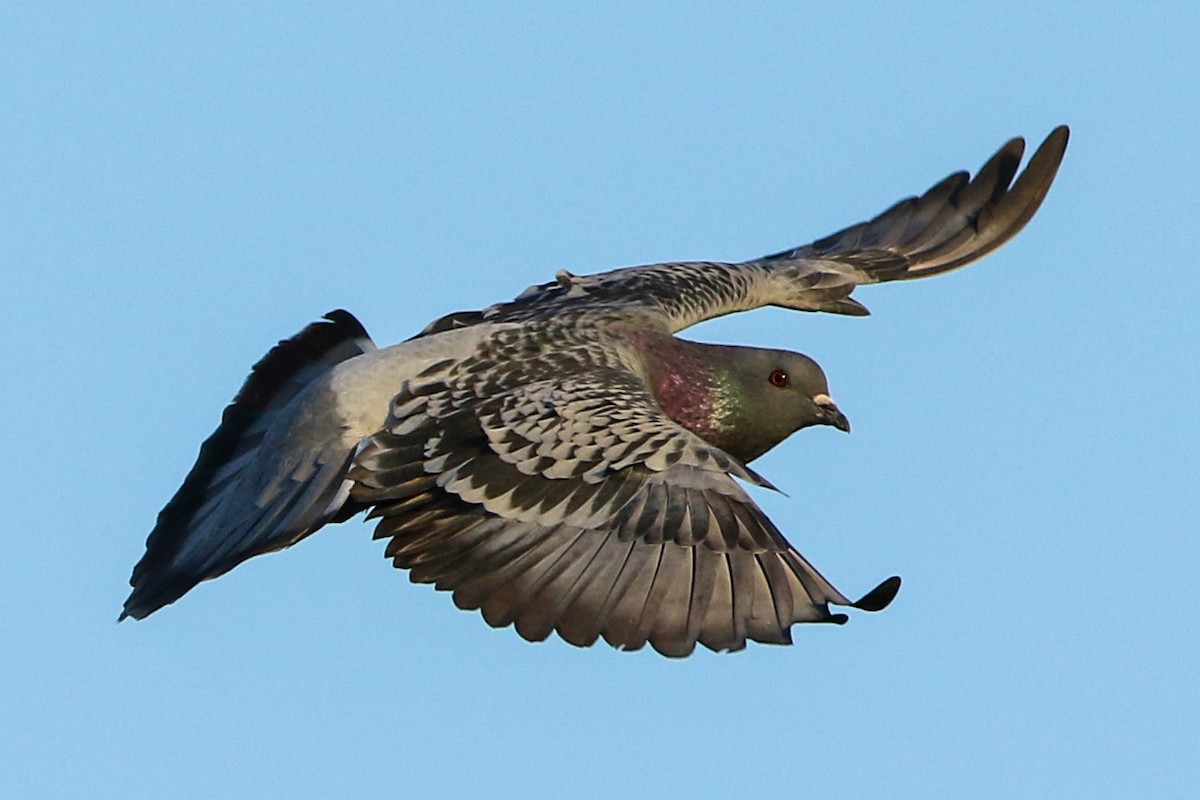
<point>183,185</point>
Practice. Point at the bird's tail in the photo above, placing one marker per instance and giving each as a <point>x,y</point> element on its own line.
<point>272,473</point>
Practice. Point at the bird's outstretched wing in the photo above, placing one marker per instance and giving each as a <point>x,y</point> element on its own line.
<point>556,496</point>
<point>957,221</point>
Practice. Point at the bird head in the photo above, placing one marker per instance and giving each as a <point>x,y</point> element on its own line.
<point>744,400</point>
<point>771,394</point>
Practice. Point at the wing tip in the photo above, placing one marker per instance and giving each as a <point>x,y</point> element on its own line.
<point>347,323</point>
<point>1060,136</point>
<point>137,611</point>
<point>847,306</point>
<point>881,596</point>
<point>153,592</point>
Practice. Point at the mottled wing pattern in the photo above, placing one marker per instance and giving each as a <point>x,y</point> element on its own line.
<point>959,220</point>
<point>574,505</point>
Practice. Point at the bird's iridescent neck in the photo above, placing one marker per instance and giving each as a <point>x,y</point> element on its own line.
<point>691,386</point>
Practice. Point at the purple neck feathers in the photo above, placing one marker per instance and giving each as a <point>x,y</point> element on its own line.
<point>688,386</point>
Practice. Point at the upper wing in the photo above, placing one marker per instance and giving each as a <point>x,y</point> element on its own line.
<point>957,221</point>
<point>574,505</point>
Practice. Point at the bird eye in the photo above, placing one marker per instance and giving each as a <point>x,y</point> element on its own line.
<point>779,379</point>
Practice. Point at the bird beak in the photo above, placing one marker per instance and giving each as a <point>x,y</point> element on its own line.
<point>833,416</point>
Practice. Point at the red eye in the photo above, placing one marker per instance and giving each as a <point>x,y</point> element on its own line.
<point>779,379</point>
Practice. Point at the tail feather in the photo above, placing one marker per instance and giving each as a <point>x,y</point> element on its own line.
<point>239,501</point>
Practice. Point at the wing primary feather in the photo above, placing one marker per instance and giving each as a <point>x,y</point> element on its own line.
<point>622,610</point>
<point>582,620</point>
<point>531,571</point>
<point>780,592</point>
<point>547,603</point>
<point>881,596</point>
<point>664,615</point>
<point>705,563</point>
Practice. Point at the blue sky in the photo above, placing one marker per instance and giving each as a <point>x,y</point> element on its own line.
<point>183,185</point>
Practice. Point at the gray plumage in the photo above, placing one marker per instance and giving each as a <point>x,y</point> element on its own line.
<point>562,461</point>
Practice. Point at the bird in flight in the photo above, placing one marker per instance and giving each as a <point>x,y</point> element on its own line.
<point>563,462</point>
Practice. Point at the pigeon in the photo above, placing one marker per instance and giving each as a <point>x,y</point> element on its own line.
<point>563,462</point>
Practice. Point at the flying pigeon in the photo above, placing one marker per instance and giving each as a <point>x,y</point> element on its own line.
<point>563,462</point>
